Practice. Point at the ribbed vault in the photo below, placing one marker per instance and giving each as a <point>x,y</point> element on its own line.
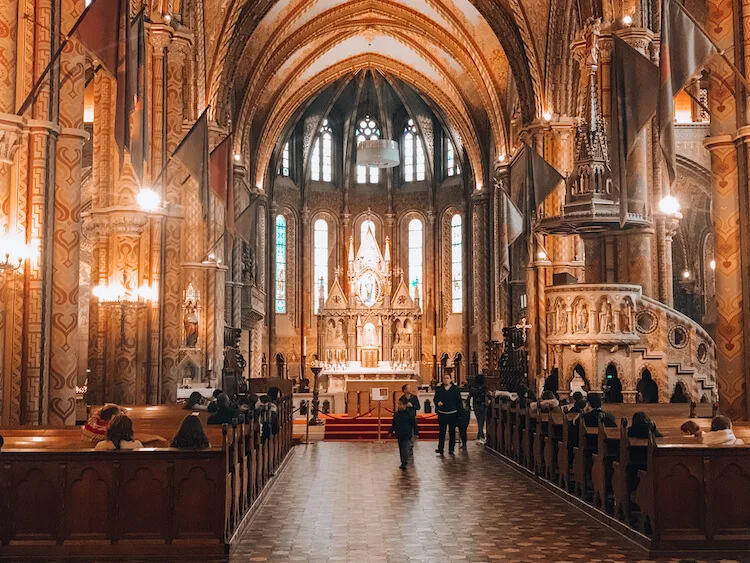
<point>462,54</point>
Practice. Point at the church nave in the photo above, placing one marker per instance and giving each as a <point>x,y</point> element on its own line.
<point>349,502</point>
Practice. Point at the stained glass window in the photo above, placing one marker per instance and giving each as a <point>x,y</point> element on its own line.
<point>320,261</point>
<point>280,264</point>
<point>451,163</point>
<point>456,264</point>
<point>367,130</point>
<point>415,258</point>
<point>286,160</point>
<point>321,160</point>
<point>414,162</point>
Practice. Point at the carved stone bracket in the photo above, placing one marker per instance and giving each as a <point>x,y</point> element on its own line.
<point>11,132</point>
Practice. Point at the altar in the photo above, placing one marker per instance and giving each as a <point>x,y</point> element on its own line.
<point>341,380</point>
<point>369,324</point>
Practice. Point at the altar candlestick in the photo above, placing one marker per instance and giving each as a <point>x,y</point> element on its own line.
<point>304,346</point>
<point>434,345</point>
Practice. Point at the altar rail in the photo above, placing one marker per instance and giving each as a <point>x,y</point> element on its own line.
<point>145,504</point>
<point>670,494</point>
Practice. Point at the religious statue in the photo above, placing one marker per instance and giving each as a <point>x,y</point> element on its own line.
<point>582,318</point>
<point>592,32</point>
<point>248,263</point>
<point>562,319</point>
<point>606,320</point>
<point>627,313</point>
<point>190,322</point>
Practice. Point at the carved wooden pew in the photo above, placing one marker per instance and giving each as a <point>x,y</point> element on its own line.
<point>528,430</point>
<point>541,431</point>
<point>694,497</point>
<point>565,452</point>
<point>607,452</point>
<point>587,446</point>
<point>551,443</point>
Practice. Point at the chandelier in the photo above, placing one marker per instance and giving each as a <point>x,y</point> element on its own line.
<point>378,153</point>
<point>116,293</point>
<point>14,251</point>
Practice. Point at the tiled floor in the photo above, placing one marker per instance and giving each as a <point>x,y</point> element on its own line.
<point>349,502</point>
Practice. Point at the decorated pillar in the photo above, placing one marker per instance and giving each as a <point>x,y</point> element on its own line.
<point>177,54</point>
<point>730,330</point>
<point>67,231</point>
<point>636,249</point>
<point>479,260</point>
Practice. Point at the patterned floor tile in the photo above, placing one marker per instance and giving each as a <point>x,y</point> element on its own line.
<point>349,502</point>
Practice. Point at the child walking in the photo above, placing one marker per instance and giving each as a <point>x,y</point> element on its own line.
<point>404,428</point>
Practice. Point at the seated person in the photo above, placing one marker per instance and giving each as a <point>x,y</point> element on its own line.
<point>594,413</point>
<point>525,396</point>
<point>190,436</point>
<point>95,429</point>
<point>641,426</point>
<point>196,402</point>
<point>721,433</point>
<point>548,402</point>
<point>225,413</point>
<point>573,397</point>
<point>578,407</point>
<point>120,435</point>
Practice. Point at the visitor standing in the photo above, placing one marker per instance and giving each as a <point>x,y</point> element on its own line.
<point>412,405</point>
<point>462,421</point>
<point>404,427</point>
<point>478,399</point>
<point>447,405</point>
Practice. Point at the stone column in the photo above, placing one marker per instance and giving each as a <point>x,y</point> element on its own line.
<point>730,330</point>
<point>479,260</point>
<point>636,258</point>
<point>594,259</point>
<point>67,230</point>
<point>171,308</point>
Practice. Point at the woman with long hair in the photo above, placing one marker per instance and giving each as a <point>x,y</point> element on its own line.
<point>191,436</point>
<point>120,435</point>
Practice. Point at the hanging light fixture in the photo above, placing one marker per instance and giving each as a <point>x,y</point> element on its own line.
<point>374,151</point>
<point>14,251</point>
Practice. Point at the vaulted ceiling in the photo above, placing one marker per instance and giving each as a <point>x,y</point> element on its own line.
<point>475,58</point>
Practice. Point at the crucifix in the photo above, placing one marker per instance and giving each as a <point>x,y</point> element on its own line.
<point>523,325</point>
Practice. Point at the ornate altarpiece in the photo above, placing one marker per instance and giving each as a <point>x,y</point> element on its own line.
<point>368,330</point>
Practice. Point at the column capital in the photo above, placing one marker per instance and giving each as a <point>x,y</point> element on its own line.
<point>718,142</point>
<point>161,37</point>
<point>11,132</point>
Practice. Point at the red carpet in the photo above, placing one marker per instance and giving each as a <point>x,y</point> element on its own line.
<point>339,427</point>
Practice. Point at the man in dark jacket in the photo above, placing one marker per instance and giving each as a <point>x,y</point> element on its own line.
<point>478,398</point>
<point>594,413</point>
<point>447,404</point>
<point>404,427</point>
<point>412,401</point>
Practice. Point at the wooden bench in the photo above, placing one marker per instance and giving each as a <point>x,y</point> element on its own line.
<point>615,473</point>
<point>693,496</point>
<point>151,504</point>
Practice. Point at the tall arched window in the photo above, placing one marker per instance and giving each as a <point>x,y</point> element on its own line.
<point>414,166</point>
<point>280,264</point>
<point>286,161</point>
<point>456,264</point>
<point>416,256</point>
<point>367,130</point>
<point>320,258</point>
<point>321,161</point>
<point>367,224</point>
<point>452,167</point>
